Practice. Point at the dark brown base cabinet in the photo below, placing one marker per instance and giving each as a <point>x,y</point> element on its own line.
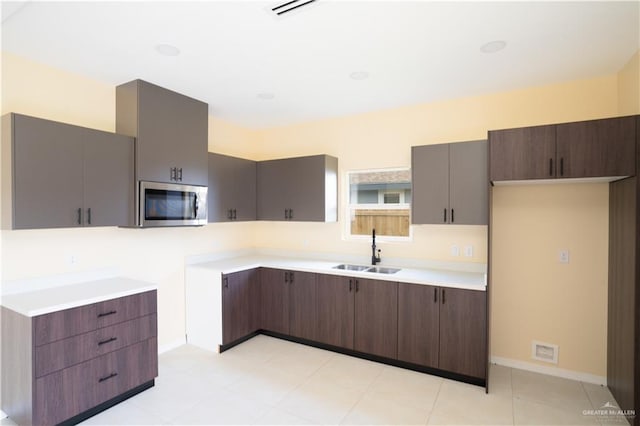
<point>288,302</point>
<point>433,329</point>
<point>240,305</point>
<point>443,328</point>
<point>66,364</point>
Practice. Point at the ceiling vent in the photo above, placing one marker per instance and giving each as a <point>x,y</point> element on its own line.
<point>289,6</point>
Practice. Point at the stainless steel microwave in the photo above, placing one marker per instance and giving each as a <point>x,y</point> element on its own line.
<point>171,204</point>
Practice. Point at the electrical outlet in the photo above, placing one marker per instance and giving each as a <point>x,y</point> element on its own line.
<point>72,259</point>
<point>563,256</point>
<point>468,251</point>
<point>455,251</point>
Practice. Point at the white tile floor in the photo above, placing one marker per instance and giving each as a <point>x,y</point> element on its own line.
<point>272,382</point>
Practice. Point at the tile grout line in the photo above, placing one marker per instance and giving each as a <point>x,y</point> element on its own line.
<point>435,400</point>
<point>365,392</point>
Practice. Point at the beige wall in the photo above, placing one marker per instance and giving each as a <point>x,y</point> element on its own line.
<point>629,86</point>
<point>378,139</point>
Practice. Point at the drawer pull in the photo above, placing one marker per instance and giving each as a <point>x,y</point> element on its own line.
<point>104,342</point>
<point>106,314</point>
<point>110,376</point>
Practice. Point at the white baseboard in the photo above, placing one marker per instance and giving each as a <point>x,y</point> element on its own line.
<point>173,345</point>
<point>550,371</point>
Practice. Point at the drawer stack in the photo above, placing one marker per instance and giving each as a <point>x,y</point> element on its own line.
<point>80,358</point>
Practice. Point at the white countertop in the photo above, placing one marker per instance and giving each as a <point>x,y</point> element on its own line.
<point>58,298</point>
<point>437,277</point>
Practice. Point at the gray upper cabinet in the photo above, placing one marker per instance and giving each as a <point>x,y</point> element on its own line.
<point>450,183</point>
<point>299,189</point>
<point>232,188</point>
<point>57,175</point>
<point>171,132</point>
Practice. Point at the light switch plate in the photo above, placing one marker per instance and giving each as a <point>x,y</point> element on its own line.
<point>563,256</point>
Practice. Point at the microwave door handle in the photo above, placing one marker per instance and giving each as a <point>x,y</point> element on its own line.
<point>195,206</point>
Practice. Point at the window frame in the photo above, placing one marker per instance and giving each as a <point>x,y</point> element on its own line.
<point>406,205</point>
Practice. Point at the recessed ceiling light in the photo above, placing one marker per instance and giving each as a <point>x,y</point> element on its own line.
<point>493,46</point>
<point>359,75</point>
<point>167,50</point>
<point>266,96</point>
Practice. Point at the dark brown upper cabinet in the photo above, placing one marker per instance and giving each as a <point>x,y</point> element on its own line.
<point>57,175</point>
<point>298,189</point>
<point>449,183</point>
<point>171,132</point>
<point>584,149</point>
<point>596,148</point>
<point>232,189</point>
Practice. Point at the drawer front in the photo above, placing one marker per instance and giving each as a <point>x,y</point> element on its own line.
<point>74,350</point>
<point>62,324</point>
<point>125,308</point>
<point>66,393</point>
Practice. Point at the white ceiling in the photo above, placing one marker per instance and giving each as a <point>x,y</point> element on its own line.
<point>414,51</point>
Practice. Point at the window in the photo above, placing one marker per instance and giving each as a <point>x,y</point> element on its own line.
<point>380,200</point>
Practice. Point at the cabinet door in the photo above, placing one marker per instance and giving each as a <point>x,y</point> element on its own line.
<point>376,313</point>
<point>597,148</point>
<point>172,131</point>
<point>306,186</point>
<point>418,324</point>
<point>463,322</point>
<point>108,179</point>
<point>336,310</point>
<point>274,300</point>
<point>47,170</point>
<point>237,304</point>
<point>307,189</point>
<point>232,188</point>
<point>430,184</point>
<point>468,183</point>
<point>303,311</point>
<point>523,153</point>
<point>273,186</point>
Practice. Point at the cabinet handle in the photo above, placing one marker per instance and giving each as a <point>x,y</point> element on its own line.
<point>235,216</point>
<point>286,277</point>
<point>445,215</point>
<point>179,174</point>
<point>357,286</point>
<point>106,314</point>
<point>226,282</point>
<point>291,275</point>
<point>550,166</point>
<point>89,215</point>
<point>350,285</point>
<point>110,376</point>
<point>229,215</point>
<point>104,342</point>
<point>443,296</point>
<point>290,213</point>
<point>286,213</point>
<point>453,218</point>
<point>173,173</point>
<point>79,216</point>
<point>562,167</point>
<point>435,295</point>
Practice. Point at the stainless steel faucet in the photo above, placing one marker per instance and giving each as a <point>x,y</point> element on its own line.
<point>374,259</point>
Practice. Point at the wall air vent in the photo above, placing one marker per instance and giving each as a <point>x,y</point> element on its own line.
<point>290,6</point>
<point>546,352</point>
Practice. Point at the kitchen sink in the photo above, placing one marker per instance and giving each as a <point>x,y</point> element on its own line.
<point>352,267</point>
<point>382,270</point>
<point>362,268</point>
